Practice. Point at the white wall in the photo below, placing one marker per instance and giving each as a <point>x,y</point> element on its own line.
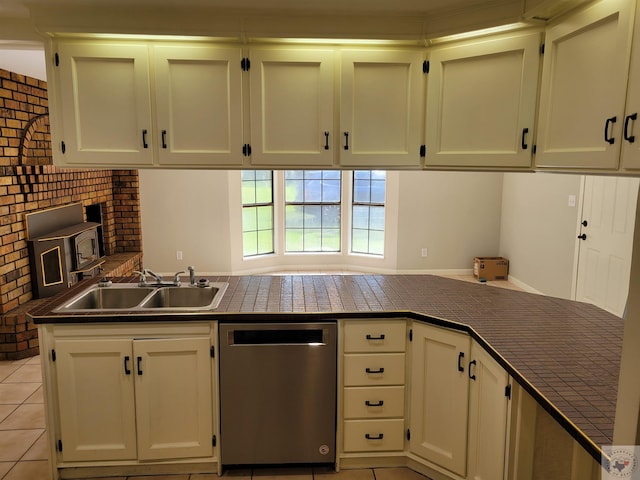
<point>185,210</point>
<point>455,215</point>
<point>538,230</point>
<point>28,61</point>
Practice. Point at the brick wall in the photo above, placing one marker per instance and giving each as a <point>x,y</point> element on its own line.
<point>29,182</point>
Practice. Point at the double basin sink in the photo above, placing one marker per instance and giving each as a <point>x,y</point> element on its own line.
<point>148,298</point>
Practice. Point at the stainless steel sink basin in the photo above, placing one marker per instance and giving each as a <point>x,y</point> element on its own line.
<point>108,298</point>
<point>133,298</point>
<point>180,297</point>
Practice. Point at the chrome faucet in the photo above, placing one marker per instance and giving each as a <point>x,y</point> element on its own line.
<point>143,278</point>
<point>176,278</point>
<point>154,275</point>
<point>192,275</point>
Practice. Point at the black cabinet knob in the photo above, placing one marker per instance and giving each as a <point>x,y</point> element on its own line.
<point>583,236</point>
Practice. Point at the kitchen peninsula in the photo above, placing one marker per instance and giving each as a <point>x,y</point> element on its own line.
<point>565,354</point>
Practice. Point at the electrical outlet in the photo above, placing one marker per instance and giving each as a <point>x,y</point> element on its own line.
<point>424,251</point>
<point>572,201</point>
<point>178,254</point>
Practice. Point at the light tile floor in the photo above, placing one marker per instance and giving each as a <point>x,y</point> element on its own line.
<point>24,451</point>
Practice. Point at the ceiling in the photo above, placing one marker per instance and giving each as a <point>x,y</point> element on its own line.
<point>22,20</point>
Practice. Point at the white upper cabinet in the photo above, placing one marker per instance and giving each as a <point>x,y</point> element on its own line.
<point>199,105</point>
<point>631,124</point>
<point>292,104</point>
<point>481,102</point>
<point>584,82</point>
<point>105,105</point>
<point>381,98</point>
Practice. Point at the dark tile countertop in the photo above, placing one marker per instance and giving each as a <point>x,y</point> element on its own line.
<point>566,354</point>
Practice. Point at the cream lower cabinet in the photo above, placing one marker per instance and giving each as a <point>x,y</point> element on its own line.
<point>128,399</point>
<point>374,386</point>
<point>459,404</point>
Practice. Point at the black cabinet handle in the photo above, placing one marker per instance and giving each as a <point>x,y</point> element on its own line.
<point>523,143</point>
<point>127,370</point>
<point>583,236</point>
<point>371,337</point>
<point>607,138</point>
<point>585,223</point>
<point>471,363</point>
<point>377,404</point>
<point>460,357</point>
<point>380,436</point>
<point>380,370</point>
<point>326,140</point>
<point>346,140</point>
<point>144,139</point>
<point>627,122</point>
<point>139,364</point>
<point>164,139</point>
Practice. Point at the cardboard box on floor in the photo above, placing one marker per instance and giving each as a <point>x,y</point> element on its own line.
<point>490,268</point>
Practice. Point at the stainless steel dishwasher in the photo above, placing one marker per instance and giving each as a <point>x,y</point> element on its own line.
<point>277,393</point>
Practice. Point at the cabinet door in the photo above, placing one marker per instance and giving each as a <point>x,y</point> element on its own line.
<point>630,127</point>
<point>380,108</point>
<point>584,81</point>
<point>440,396</point>
<point>199,105</point>
<point>96,399</point>
<point>173,398</point>
<point>105,103</point>
<point>292,104</point>
<point>481,102</point>
<point>488,411</point>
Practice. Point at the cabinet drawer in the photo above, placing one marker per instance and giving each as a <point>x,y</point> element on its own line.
<point>373,435</point>
<point>373,402</point>
<point>373,336</point>
<point>365,370</point>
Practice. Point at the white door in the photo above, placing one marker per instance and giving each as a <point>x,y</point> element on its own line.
<point>292,105</point>
<point>380,107</point>
<point>488,410</point>
<point>199,105</point>
<point>173,398</point>
<point>604,259</point>
<point>584,83</point>
<point>96,399</point>
<point>481,102</point>
<point>105,102</point>
<point>440,396</point>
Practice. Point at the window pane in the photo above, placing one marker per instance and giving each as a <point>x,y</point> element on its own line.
<point>293,240</point>
<point>264,218</point>
<point>360,241</point>
<point>257,221</point>
<point>331,240</point>
<point>249,219</point>
<point>360,216</point>
<point>265,241</point>
<point>376,242</point>
<point>263,191</point>
<point>367,212</point>
<point>361,191</point>
<point>312,216</point>
<point>294,191</point>
<point>249,243</point>
<point>294,217</point>
<point>331,191</point>
<point>312,199</point>
<point>331,216</point>
<point>376,218</point>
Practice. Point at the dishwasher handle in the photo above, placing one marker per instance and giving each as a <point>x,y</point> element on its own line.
<point>258,336</point>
